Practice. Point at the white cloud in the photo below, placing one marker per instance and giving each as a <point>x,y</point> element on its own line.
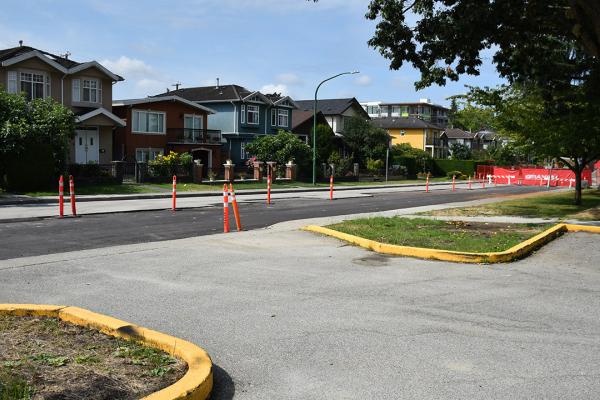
<point>130,68</point>
<point>289,78</point>
<point>272,88</point>
<point>363,80</point>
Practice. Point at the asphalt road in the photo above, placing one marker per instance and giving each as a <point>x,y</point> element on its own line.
<point>294,315</point>
<point>51,235</point>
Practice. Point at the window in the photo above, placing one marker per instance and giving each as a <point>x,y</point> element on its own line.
<point>404,111</point>
<point>145,155</point>
<point>243,150</point>
<point>192,125</point>
<point>148,122</point>
<point>373,110</point>
<point>76,90</point>
<point>273,117</point>
<point>92,91</point>
<point>35,86</point>
<point>243,116</point>
<point>282,118</point>
<point>395,111</point>
<point>252,115</point>
<point>384,111</point>
<point>12,82</point>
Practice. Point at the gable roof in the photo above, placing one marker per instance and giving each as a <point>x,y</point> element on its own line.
<point>403,123</point>
<point>17,54</point>
<point>301,116</point>
<point>210,93</point>
<point>456,133</point>
<point>332,106</point>
<point>130,102</point>
<point>100,111</point>
<point>486,134</point>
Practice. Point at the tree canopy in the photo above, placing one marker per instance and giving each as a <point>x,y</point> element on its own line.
<point>281,148</point>
<point>364,140</point>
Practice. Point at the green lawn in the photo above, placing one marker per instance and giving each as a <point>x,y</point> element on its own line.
<point>443,235</point>
<point>126,188</point>
<point>554,205</point>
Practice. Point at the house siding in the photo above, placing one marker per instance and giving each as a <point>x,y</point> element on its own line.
<point>223,119</point>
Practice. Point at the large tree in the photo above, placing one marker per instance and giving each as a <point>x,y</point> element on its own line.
<point>364,141</point>
<point>549,49</point>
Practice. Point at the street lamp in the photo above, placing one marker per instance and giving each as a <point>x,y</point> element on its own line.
<point>314,170</point>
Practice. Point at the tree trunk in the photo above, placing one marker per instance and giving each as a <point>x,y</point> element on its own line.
<point>577,171</point>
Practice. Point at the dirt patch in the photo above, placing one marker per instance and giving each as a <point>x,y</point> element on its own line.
<point>45,358</point>
<point>489,229</point>
<point>593,214</point>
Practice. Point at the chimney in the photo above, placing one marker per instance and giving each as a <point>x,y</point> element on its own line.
<point>168,90</point>
<point>20,43</point>
<point>217,83</point>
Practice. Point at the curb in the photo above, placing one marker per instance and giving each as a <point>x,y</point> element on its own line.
<point>166,195</point>
<point>516,252</point>
<point>197,382</point>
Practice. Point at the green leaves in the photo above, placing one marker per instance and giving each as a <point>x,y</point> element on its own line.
<point>282,148</point>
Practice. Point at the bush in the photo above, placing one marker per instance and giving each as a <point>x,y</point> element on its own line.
<point>374,166</point>
<point>409,164</point>
<point>343,166</point>
<point>23,174</point>
<point>456,174</point>
<point>171,164</point>
<point>468,167</point>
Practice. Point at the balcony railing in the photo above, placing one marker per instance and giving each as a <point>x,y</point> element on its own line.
<point>188,135</point>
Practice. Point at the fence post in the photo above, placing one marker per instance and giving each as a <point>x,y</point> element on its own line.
<point>141,172</point>
<point>197,171</point>
<point>290,171</point>
<point>257,165</point>
<point>118,170</point>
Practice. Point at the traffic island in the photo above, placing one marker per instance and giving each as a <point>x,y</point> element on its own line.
<point>455,241</point>
<point>68,352</point>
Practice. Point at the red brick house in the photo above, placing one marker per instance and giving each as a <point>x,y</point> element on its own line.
<point>158,125</point>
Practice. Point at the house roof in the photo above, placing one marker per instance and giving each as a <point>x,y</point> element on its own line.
<point>331,106</point>
<point>404,123</point>
<point>100,111</point>
<point>130,102</point>
<point>301,116</point>
<point>414,103</point>
<point>456,133</point>
<point>211,93</point>
<point>17,54</point>
<point>486,134</point>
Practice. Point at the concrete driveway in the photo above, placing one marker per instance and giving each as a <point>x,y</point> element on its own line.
<point>292,315</point>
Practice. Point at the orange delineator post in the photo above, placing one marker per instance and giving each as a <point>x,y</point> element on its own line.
<point>236,211</point>
<point>454,183</point>
<point>225,209</point>
<point>269,189</point>
<point>61,196</point>
<point>174,206</point>
<point>483,183</point>
<point>331,187</point>
<point>72,193</point>
<point>427,184</point>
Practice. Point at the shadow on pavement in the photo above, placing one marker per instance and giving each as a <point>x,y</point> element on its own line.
<point>223,386</point>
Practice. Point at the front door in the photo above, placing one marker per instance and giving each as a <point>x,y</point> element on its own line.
<point>87,148</point>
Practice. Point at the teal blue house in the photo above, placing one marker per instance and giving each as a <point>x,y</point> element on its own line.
<point>241,115</point>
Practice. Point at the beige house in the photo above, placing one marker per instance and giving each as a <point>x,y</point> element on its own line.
<point>86,88</point>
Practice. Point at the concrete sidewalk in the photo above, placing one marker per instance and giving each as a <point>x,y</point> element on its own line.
<point>24,212</point>
<point>12,199</point>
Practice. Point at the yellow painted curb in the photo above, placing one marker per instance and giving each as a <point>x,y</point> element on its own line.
<point>518,251</point>
<point>197,382</point>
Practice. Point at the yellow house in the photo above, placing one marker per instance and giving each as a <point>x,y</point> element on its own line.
<point>414,131</point>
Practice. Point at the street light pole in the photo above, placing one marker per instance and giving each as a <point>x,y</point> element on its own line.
<point>314,169</point>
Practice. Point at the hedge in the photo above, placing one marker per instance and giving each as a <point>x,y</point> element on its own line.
<point>467,167</point>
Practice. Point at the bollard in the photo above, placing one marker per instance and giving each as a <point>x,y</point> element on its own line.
<point>331,187</point>
<point>61,197</point>
<point>454,183</point>
<point>571,183</point>
<point>225,209</point>
<point>174,207</point>
<point>72,193</point>
<point>427,184</point>
<point>469,182</point>
<point>269,189</point>
<point>236,211</point>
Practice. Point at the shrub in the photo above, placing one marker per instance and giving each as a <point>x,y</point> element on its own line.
<point>456,174</point>
<point>170,164</point>
<point>374,166</point>
<point>342,165</point>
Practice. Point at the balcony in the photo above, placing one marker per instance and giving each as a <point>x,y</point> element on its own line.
<point>193,136</point>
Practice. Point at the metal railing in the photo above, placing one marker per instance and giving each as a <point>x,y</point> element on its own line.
<point>188,135</point>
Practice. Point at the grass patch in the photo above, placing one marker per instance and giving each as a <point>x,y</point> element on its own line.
<point>58,360</point>
<point>125,188</point>
<point>442,235</point>
<point>555,205</point>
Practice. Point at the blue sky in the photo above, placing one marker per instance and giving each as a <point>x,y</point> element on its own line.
<point>283,45</point>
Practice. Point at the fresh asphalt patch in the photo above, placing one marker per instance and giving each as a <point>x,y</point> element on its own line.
<point>53,235</point>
